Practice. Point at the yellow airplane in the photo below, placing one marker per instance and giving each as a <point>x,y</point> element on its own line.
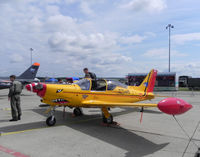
<point>104,94</point>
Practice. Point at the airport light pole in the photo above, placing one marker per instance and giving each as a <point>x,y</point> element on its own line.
<point>169,26</point>
<point>31,49</point>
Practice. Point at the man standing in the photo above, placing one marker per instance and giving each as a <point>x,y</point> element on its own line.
<point>92,76</point>
<point>89,74</point>
<point>14,97</point>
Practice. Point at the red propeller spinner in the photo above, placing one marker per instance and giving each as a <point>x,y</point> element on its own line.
<point>39,88</point>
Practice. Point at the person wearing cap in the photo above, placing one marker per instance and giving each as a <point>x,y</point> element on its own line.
<point>14,98</point>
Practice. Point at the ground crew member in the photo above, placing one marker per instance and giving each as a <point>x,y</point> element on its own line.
<point>14,98</point>
<point>92,76</point>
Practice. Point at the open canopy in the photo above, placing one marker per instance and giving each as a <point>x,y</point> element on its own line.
<point>100,85</point>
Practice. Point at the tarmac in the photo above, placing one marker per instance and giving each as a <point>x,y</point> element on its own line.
<point>85,136</point>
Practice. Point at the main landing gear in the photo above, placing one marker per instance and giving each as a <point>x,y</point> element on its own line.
<point>107,117</point>
<point>78,112</point>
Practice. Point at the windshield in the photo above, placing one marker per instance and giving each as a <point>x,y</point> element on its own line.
<point>84,84</point>
<point>113,84</point>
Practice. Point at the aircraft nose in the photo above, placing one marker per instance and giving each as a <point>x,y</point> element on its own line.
<point>39,88</point>
<point>29,87</point>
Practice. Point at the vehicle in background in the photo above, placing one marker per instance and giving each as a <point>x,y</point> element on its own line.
<point>183,81</point>
<point>194,83</point>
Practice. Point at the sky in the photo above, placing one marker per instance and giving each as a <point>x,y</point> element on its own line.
<point>110,37</point>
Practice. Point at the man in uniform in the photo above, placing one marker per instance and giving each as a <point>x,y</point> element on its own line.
<point>92,76</point>
<point>14,98</point>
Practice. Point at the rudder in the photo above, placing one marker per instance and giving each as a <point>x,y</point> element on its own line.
<point>149,82</point>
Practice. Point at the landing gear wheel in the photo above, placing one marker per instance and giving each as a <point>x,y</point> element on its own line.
<point>77,112</point>
<point>51,121</point>
<point>108,120</point>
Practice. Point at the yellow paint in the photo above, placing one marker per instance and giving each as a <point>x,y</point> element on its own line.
<point>118,97</point>
<point>85,98</point>
<point>105,112</point>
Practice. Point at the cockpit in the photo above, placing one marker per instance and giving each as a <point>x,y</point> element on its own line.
<point>84,84</point>
<point>99,85</point>
<point>113,84</point>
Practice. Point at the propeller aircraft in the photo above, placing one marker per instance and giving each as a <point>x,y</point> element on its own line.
<point>104,94</point>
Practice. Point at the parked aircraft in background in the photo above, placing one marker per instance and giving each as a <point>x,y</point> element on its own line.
<point>26,77</point>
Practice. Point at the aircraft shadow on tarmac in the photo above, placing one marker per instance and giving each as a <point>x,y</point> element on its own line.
<point>134,144</point>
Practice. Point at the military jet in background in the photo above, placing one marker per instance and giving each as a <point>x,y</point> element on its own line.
<point>104,95</point>
<point>26,77</point>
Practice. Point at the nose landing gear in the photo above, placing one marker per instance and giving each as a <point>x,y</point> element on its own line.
<point>51,120</point>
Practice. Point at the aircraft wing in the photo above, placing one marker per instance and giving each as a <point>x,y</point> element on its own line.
<point>94,103</point>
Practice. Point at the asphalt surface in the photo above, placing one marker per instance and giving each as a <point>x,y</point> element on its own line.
<point>158,134</point>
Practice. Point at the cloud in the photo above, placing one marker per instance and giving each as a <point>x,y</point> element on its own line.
<point>162,53</point>
<point>146,5</point>
<point>69,42</point>
<point>15,58</point>
<point>182,38</point>
<point>85,8</point>
<point>82,43</point>
<point>132,39</point>
<point>192,68</point>
<point>71,34</point>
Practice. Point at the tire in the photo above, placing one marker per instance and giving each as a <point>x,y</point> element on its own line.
<point>77,112</point>
<point>108,120</point>
<point>51,121</point>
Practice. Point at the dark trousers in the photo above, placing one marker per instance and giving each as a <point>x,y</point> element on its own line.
<point>15,106</point>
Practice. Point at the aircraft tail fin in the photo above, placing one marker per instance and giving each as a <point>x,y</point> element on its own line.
<point>31,72</point>
<point>149,82</point>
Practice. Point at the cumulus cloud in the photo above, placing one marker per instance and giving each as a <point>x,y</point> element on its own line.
<point>162,53</point>
<point>192,68</point>
<point>182,38</point>
<point>146,5</point>
<point>15,58</point>
<point>81,43</point>
<point>132,39</point>
<point>66,40</point>
<point>85,7</point>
